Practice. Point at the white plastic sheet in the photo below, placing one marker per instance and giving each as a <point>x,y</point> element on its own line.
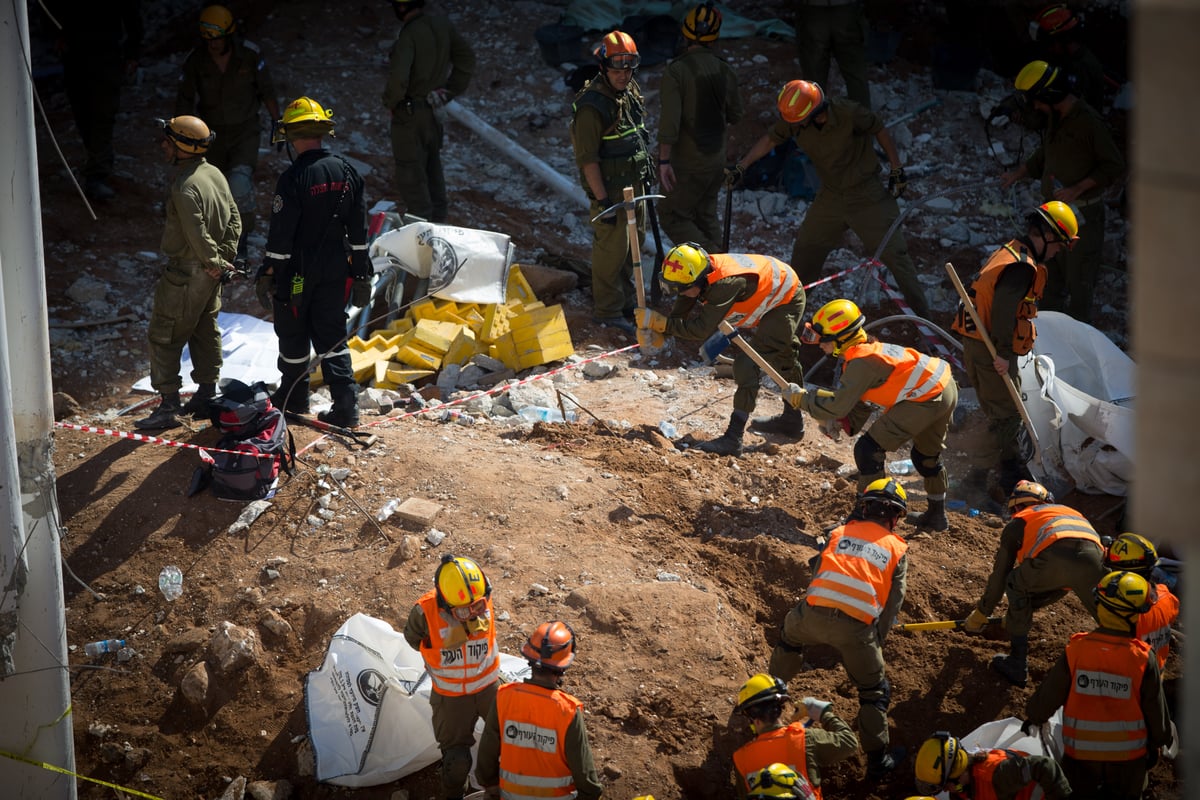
<point>1006,734</point>
<point>249,350</point>
<point>462,264</point>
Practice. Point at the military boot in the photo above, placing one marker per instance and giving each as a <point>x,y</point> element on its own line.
<point>789,424</point>
<point>1014,667</point>
<point>197,404</point>
<point>344,413</point>
<point>934,518</point>
<point>728,443</point>
<point>292,394</point>
<point>165,416</point>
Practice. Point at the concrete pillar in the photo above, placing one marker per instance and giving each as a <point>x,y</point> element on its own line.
<point>1165,263</point>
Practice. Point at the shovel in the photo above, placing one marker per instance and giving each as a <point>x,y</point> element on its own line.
<point>941,625</point>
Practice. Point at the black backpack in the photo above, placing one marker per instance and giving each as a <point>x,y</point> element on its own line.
<point>257,434</point>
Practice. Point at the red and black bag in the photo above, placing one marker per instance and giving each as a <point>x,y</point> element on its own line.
<point>256,433</point>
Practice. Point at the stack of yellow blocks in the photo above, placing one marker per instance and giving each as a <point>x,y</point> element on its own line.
<point>522,333</point>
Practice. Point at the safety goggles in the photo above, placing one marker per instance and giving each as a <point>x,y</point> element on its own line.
<point>471,610</point>
<point>810,335</point>
<point>624,61</point>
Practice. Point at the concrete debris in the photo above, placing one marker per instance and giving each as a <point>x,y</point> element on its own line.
<point>194,686</point>
<point>233,648</point>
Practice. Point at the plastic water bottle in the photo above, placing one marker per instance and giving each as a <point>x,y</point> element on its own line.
<point>388,509</point>
<point>904,467</point>
<point>94,649</point>
<point>543,414</point>
<point>667,429</point>
<point>460,417</point>
<point>170,581</point>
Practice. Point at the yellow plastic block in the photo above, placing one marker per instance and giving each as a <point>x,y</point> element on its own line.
<point>538,319</point>
<point>462,348</point>
<point>417,357</point>
<point>505,350</point>
<point>435,335</point>
<point>423,309</point>
<point>443,308</point>
<point>495,323</point>
<point>465,309</point>
<point>518,288</point>
<point>473,316</point>
<point>399,373</point>
<point>402,325</point>
<point>544,355</point>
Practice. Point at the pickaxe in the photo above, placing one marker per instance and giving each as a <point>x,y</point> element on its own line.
<point>361,438</point>
<point>726,333</point>
<point>940,625</point>
<point>630,205</point>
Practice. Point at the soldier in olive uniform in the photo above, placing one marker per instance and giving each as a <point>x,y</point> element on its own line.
<point>1076,161</point>
<point>430,65</point>
<point>612,152</point>
<point>225,82</point>
<point>834,29</point>
<point>200,240</point>
<point>1060,36</point>
<point>700,97</point>
<point>836,133</point>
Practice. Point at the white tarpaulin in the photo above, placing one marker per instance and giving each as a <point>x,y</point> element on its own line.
<point>368,709</point>
<point>249,349</point>
<point>462,264</point>
<point>1079,390</point>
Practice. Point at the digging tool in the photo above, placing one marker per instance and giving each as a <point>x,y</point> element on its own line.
<point>630,205</point>
<point>987,340</point>
<point>941,625</point>
<point>735,336</point>
<point>361,438</point>
<point>656,273</point>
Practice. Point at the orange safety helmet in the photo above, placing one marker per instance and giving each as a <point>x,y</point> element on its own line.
<point>551,647</point>
<point>798,101</point>
<point>1055,19</point>
<point>617,50</point>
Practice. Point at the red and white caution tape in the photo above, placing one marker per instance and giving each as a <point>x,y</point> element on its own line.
<point>141,437</point>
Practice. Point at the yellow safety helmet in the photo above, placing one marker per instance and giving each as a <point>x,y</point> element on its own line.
<point>1125,594</point>
<point>940,760</point>
<point>1131,553</point>
<point>778,780</point>
<point>683,267</point>
<point>216,22</point>
<point>762,688</point>
<point>702,24</point>
<point>551,647</point>
<point>885,492</point>
<point>460,582</point>
<point>1041,81</point>
<point>1061,220</point>
<point>1028,493</point>
<point>189,134</point>
<point>838,321</point>
<point>800,100</point>
<point>304,118</point>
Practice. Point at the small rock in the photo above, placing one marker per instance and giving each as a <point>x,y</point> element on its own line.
<point>236,790</point>
<point>99,730</point>
<point>399,794</point>
<point>538,589</point>
<point>306,760</point>
<point>194,686</point>
<point>188,641</point>
<point>270,790</point>
<point>272,574</point>
<point>563,492</point>
<point>277,561</point>
<point>435,537</point>
<point>112,752</point>
<point>668,577</point>
<point>233,648</point>
<point>275,624</point>
<point>599,370</point>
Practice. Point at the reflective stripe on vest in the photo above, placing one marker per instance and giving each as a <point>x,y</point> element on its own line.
<point>777,284</point>
<point>533,723</point>
<point>1102,717</point>
<point>915,376</point>
<point>983,291</point>
<point>464,668</point>
<point>1154,627</point>
<point>1047,523</point>
<point>981,777</point>
<point>856,570</point>
<point>779,746</point>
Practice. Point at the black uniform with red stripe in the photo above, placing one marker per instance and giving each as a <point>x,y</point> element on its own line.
<point>317,243</point>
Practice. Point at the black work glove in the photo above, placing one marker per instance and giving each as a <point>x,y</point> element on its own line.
<point>264,287</point>
<point>360,292</point>
<point>1151,757</point>
<point>1030,728</point>
<point>734,175</point>
<point>611,219</point>
<point>897,182</point>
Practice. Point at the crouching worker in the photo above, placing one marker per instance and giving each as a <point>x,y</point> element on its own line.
<point>535,742</point>
<point>751,293</point>
<point>917,393</point>
<point>821,738</point>
<point>944,765</point>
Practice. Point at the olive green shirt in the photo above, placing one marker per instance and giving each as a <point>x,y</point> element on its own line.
<point>229,98</point>
<point>859,375</point>
<point>577,751</point>
<point>1075,147</point>
<point>699,94</point>
<point>715,301</point>
<point>1016,772</point>
<point>428,54</point>
<point>203,223</point>
<point>842,150</point>
<point>834,741</point>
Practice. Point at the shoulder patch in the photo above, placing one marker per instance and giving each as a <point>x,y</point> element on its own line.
<point>277,204</point>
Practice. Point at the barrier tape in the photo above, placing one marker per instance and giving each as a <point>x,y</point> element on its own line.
<point>61,771</point>
<point>141,437</point>
<point>943,352</point>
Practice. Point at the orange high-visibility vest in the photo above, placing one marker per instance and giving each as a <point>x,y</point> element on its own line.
<point>915,376</point>
<point>533,727</point>
<point>1047,523</point>
<point>981,776</point>
<point>777,284</point>
<point>856,570</point>
<point>1102,718</point>
<point>983,292</point>
<point>459,669</point>
<point>1154,627</point>
<point>780,746</point>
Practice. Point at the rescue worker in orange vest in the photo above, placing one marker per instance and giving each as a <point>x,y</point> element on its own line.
<point>453,627</point>
<point>943,764</point>
<point>1006,292</point>
<point>778,780</point>
<point>535,742</point>
<point>1132,553</point>
<point>822,738</point>
<point>751,293</point>
<point>1045,551</point>
<point>856,590</point>
<point>1115,716</point>
<point>917,393</point>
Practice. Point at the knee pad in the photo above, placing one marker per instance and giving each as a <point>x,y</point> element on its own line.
<point>868,455</point>
<point>926,466</point>
<point>456,764</point>
<point>879,696</point>
<point>241,186</point>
